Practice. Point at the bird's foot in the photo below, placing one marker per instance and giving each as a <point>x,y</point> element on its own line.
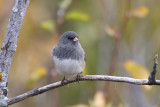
<point>62,82</point>
<point>78,77</point>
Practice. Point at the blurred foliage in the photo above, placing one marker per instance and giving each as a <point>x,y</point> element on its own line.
<point>48,25</point>
<point>37,75</point>
<point>136,70</point>
<point>75,15</point>
<point>85,72</point>
<point>1,77</point>
<point>140,12</point>
<point>99,100</point>
<point>111,31</point>
<point>98,23</point>
<point>64,4</point>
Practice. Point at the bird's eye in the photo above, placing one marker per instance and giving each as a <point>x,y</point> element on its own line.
<point>70,38</point>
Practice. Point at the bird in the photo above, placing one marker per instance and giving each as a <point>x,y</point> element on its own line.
<point>69,56</point>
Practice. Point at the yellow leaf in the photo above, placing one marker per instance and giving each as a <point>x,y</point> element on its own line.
<point>140,12</point>
<point>85,71</point>
<point>1,77</point>
<point>79,105</point>
<point>48,25</point>
<point>75,15</point>
<point>99,99</point>
<point>37,75</point>
<point>137,71</point>
<point>111,31</point>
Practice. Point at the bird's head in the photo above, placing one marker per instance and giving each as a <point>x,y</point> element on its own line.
<point>69,37</point>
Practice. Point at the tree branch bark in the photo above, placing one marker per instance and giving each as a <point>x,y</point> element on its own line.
<point>9,46</point>
<point>152,76</point>
<point>43,89</point>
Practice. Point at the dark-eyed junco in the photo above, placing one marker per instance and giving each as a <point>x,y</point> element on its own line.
<point>68,55</point>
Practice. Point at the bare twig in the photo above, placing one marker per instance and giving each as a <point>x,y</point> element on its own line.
<point>152,77</point>
<point>9,45</point>
<point>43,89</point>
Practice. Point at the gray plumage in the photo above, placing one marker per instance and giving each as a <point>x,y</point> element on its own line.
<point>67,48</point>
<point>68,55</point>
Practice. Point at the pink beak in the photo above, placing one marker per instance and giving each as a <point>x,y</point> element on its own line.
<point>75,39</point>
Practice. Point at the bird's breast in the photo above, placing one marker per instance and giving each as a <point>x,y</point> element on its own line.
<point>68,66</point>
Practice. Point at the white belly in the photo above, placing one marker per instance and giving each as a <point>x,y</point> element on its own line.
<point>68,66</point>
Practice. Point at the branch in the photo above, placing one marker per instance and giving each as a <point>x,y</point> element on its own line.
<point>152,76</point>
<point>43,89</point>
<point>9,46</point>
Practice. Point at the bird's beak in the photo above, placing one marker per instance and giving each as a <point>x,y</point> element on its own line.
<point>75,39</point>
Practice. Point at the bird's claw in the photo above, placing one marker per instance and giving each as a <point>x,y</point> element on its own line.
<point>62,82</point>
<point>78,77</point>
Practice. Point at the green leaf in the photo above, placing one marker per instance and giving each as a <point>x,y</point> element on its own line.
<point>48,25</point>
<point>79,16</point>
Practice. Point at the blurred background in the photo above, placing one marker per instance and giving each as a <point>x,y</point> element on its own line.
<point>120,38</point>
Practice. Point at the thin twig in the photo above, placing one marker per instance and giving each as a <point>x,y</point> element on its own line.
<point>43,89</point>
<point>152,77</point>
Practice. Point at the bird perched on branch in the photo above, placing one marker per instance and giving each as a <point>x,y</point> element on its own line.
<point>69,56</point>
